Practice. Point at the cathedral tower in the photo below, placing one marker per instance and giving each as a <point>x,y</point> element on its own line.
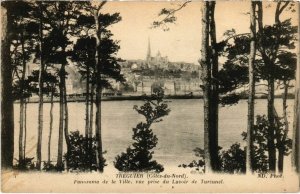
<point>148,57</point>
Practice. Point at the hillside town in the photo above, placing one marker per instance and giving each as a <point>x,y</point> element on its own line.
<point>142,76</point>
<point>178,79</point>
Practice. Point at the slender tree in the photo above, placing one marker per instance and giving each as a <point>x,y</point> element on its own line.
<point>270,49</point>
<point>41,99</point>
<point>287,62</point>
<point>51,81</point>
<point>250,126</point>
<point>7,110</point>
<point>209,69</point>
<point>21,51</point>
<point>25,127</point>
<point>214,87</point>
<point>87,99</point>
<point>296,124</point>
<point>106,65</point>
<point>206,80</point>
<point>84,51</point>
<point>61,18</point>
<point>22,41</point>
<point>284,58</point>
<point>91,110</point>
<point>51,124</point>
<point>99,153</point>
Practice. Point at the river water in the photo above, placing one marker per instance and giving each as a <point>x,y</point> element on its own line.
<point>178,134</point>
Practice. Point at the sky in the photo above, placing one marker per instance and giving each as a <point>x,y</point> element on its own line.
<point>183,41</point>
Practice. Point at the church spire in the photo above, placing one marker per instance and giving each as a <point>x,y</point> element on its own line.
<point>149,50</point>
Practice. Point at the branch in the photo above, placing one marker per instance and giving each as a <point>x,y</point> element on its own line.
<point>286,3</point>
<point>279,84</point>
<point>102,4</point>
<point>16,72</point>
<point>169,14</point>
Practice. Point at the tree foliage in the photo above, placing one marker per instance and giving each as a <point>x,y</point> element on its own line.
<point>233,75</point>
<point>138,157</point>
<point>82,154</point>
<point>85,50</point>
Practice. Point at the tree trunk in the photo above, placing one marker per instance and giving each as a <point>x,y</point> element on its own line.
<point>25,128</point>
<point>41,101</point>
<point>271,119</point>
<point>40,123</point>
<point>22,102</point>
<point>21,131</point>
<point>251,95</point>
<point>91,112</point>
<point>296,124</point>
<point>214,102</point>
<point>206,81</point>
<point>281,140</point>
<point>98,128</point>
<point>270,107</point>
<point>98,95</point>
<point>66,123</point>
<point>271,95</point>
<point>61,118</point>
<point>280,160</point>
<point>50,125</point>
<point>89,142</point>
<point>87,118</point>
<point>7,108</point>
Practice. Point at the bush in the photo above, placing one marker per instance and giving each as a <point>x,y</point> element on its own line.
<point>138,157</point>
<point>260,135</point>
<point>233,160</point>
<point>25,164</point>
<point>197,165</point>
<point>82,153</point>
<point>48,166</point>
<point>260,140</point>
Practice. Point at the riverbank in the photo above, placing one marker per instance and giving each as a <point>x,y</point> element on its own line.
<point>111,98</point>
<point>35,99</point>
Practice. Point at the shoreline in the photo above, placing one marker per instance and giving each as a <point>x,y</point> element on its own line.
<point>126,98</point>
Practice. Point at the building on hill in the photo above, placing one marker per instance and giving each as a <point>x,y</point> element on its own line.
<point>157,61</point>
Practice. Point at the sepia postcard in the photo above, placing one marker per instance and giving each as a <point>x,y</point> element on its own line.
<point>150,96</point>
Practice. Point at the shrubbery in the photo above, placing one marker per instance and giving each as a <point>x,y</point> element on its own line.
<point>199,164</point>
<point>260,140</point>
<point>82,153</point>
<point>49,167</point>
<point>233,160</point>
<point>25,164</point>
